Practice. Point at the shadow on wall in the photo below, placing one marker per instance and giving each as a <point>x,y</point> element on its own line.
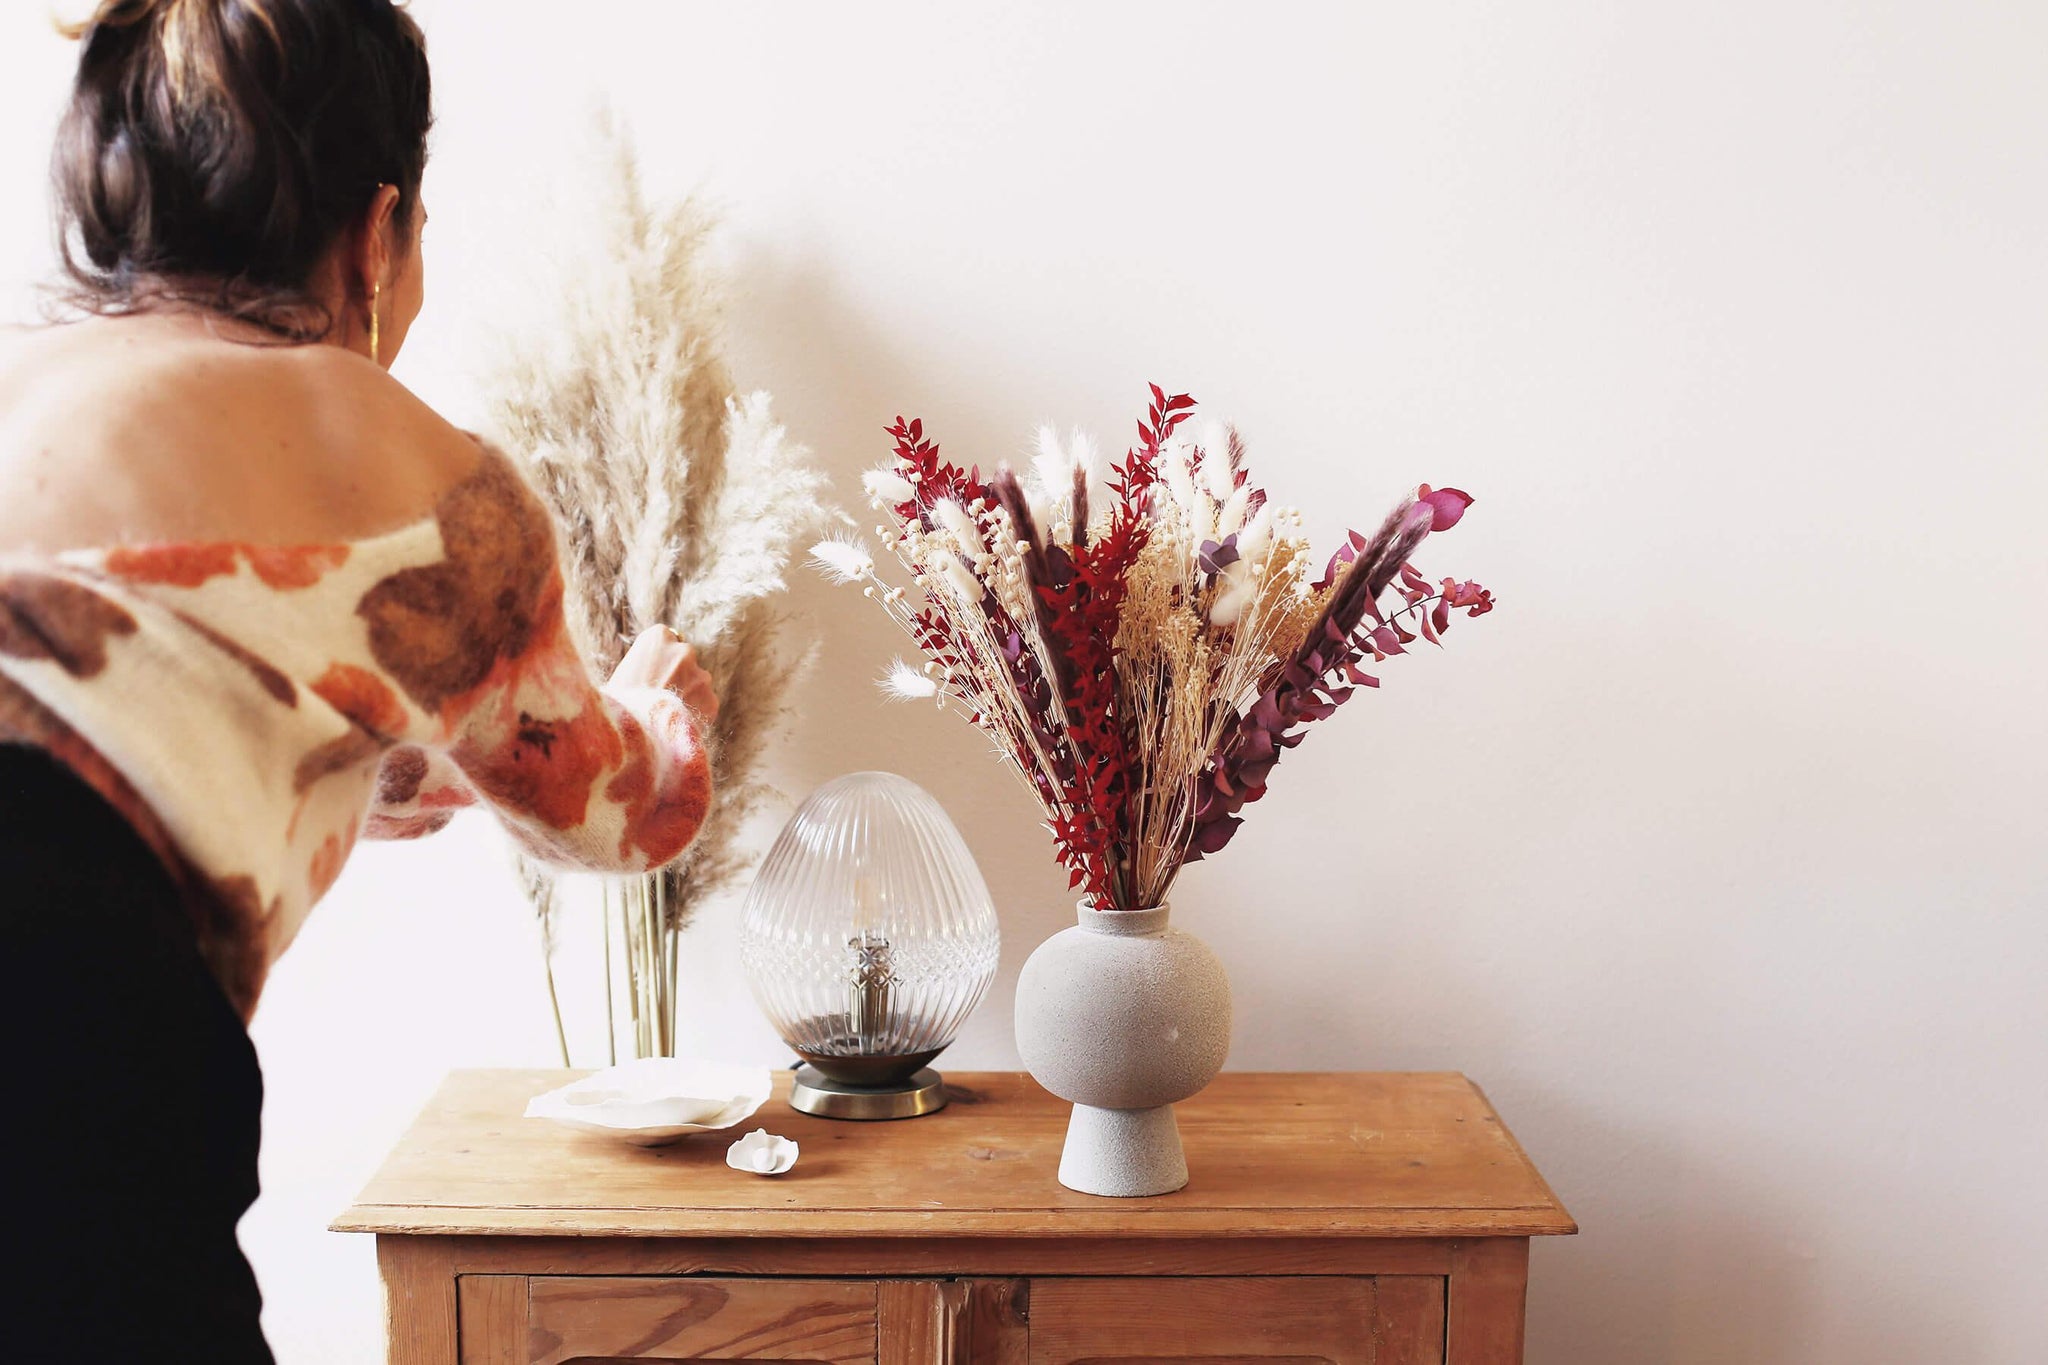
<point>1691,1253</point>
<point>1718,1270</point>
<point>838,383</point>
<point>1690,1256</point>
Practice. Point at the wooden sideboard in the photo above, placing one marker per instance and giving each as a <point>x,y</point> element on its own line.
<point>1341,1217</point>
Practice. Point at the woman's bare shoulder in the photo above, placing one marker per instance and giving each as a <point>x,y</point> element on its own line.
<point>128,431</point>
<point>372,440</point>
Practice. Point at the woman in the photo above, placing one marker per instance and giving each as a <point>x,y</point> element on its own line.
<point>256,601</point>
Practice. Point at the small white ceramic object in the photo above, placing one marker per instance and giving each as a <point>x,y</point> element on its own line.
<point>761,1153</point>
<point>1123,1016</point>
<point>656,1099</point>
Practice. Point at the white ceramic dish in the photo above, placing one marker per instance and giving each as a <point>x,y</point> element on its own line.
<point>761,1153</point>
<point>656,1099</point>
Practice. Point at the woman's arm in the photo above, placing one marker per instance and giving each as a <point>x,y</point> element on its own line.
<point>612,779</point>
<point>419,790</point>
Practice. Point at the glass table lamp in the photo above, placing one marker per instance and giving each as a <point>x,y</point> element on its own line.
<point>868,938</point>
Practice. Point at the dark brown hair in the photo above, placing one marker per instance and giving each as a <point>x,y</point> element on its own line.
<point>214,150</point>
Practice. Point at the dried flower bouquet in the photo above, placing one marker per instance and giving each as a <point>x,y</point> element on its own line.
<point>681,501</point>
<point>1141,660</point>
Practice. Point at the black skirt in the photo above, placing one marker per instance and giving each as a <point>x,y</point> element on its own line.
<point>137,1101</point>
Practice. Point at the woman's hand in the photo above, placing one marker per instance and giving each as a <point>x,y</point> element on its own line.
<point>659,658</point>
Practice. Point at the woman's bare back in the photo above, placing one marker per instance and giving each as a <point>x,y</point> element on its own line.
<point>181,428</point>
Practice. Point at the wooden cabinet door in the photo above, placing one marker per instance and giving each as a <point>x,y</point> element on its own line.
<point>622,1320</point>
<point>603,1320</point>
<point>1306,1320</point>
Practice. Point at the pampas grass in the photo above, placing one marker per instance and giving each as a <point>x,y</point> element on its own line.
<point>680,502</point>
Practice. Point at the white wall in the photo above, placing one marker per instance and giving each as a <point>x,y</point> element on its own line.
<point>1713,855</point>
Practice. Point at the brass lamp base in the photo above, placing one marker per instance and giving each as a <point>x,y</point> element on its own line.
<point>817,1093</point>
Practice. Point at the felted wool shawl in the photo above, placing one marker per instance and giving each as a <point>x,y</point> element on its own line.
<point>254,709</point>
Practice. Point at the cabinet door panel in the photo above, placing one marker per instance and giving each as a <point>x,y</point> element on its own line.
<point>1411,1319</point>
<point>997,1323</point>
<point>602,1320</point>
<point>1308,1320</point>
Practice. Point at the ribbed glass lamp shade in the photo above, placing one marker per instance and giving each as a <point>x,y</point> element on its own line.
<point>869,936</point>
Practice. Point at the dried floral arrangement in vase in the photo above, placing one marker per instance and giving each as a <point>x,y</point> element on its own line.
<point>680,502</point>
<point>1142,655</point>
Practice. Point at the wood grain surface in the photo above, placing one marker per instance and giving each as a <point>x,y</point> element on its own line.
<point>1489,1287</point>
<point>1312,1320</point>
<point>492,1310</point>
<point>1376,1154</point>
<point>419,1300</point>
<point>617,1320</point>
<point>997,1327</point>
<point>1409,1329</point>
<point>962,1256</point>
<point>920,1322</point>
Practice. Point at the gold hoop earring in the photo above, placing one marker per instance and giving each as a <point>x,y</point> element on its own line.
<point>376,343</point>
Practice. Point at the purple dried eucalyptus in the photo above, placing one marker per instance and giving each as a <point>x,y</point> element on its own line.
<point>1325,670</point>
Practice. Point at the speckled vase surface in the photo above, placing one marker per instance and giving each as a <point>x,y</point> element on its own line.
<point>1123,1016</point>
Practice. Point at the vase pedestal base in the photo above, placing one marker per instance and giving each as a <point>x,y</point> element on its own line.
<point>1123,1153</point>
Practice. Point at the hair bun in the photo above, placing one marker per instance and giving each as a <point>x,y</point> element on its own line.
<point>115,14</point>
<point>231,142</point>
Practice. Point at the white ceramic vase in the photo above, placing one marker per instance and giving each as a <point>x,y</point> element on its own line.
<point>1123,1016</point>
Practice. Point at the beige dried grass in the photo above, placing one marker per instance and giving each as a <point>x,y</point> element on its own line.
<point>679,502</point>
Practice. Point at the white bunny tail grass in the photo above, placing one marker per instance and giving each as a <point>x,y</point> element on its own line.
<point>903,682</point>
<point>842,558</point>
<point>887,487</point>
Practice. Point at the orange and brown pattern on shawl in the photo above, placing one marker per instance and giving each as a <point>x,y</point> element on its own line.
<point>226,920</point>
<point>375,718</point>
<point>330,858</point>
<point>545,768</point>
<point>633,785</point>
<point>350,749</point>
<point>175,566</point>
<point>675,810</point>
<point>363,697</point>
<point>439,629</point>
<point>398,781</point>
<point>660,823</point>
<point>294,566</point>
<point>267,675</point>
<point>43,616</point>
<point>393,829</point>
<point>402,782</point>
<point>187,565</point>
<point>233,941</point>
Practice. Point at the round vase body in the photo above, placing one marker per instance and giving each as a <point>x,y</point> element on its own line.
<point>1123,1016</point>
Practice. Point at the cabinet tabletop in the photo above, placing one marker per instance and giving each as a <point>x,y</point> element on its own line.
<point>1293,1154</point>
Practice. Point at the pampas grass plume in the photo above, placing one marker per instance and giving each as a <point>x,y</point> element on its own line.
<point>680,500</point>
